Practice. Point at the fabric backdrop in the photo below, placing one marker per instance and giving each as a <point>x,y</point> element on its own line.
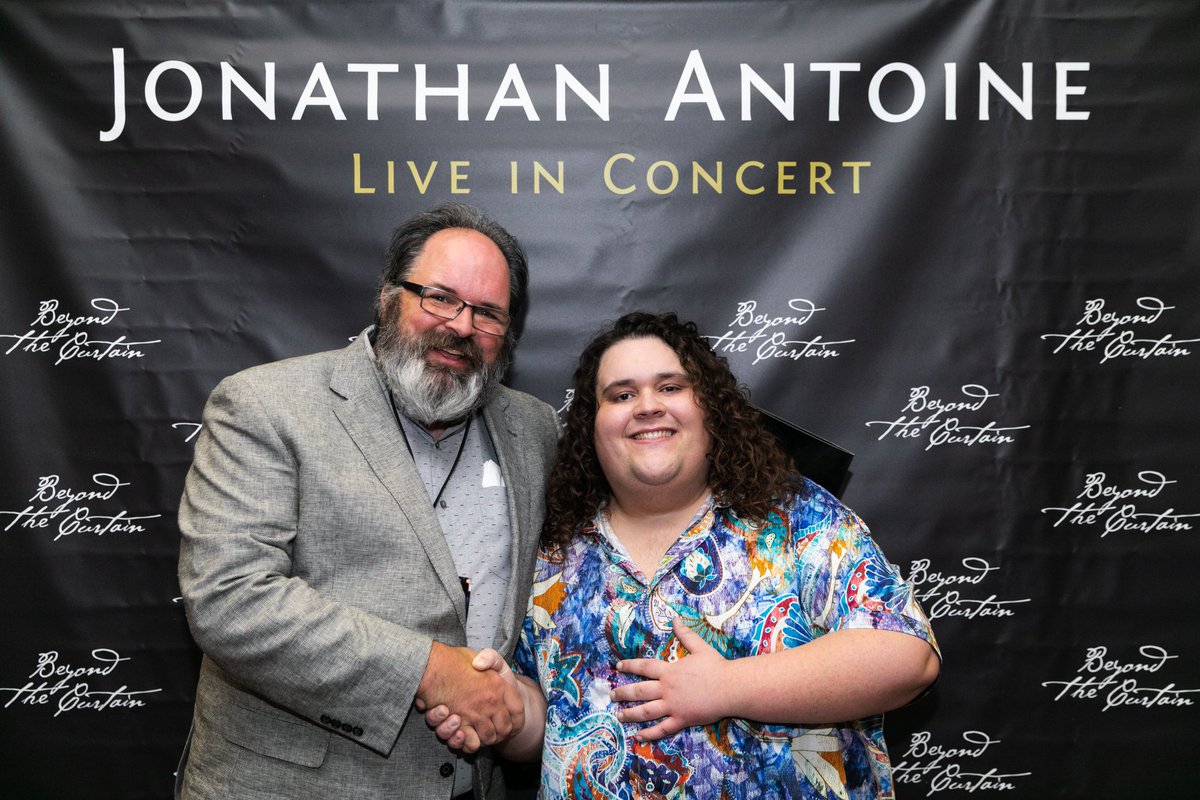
<point>958,239</point>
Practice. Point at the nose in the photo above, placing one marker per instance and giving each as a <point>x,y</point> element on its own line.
<point>648,404</point>
<point>463,324</point>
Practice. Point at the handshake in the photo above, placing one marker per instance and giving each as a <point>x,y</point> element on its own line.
<point>472,699</point>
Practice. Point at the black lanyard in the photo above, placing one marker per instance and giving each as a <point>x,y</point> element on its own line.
<point>464,582</point>
<point>461,446</point>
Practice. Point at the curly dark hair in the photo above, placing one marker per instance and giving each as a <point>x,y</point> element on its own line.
<point>748,470</point>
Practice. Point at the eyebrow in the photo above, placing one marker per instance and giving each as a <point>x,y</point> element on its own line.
<point>444,288</point>
<point>662,376</point>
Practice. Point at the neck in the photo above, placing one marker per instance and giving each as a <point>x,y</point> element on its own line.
<point>649,532</point>
<point>657,508</point>
<point>438,429</point>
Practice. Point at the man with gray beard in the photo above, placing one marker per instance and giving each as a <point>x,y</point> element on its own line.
<point>356,525</point>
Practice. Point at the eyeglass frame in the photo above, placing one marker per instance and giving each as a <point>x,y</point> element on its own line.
<point>501,316</point>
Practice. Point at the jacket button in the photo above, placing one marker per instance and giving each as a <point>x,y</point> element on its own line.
<point>446,770</point>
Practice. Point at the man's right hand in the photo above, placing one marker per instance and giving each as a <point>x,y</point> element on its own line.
<point>489,707</point>
<point>448,726</point>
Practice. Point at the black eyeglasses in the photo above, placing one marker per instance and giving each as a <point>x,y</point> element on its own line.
<point>443,304</point>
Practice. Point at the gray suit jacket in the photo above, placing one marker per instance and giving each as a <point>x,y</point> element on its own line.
<point>315,577</point>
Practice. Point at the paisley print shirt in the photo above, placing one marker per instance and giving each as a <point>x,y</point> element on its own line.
<point>748,589</point>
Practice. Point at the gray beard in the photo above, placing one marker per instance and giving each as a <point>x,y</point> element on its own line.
<point>429,394</point>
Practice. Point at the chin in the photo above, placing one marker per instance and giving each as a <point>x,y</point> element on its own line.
<point>655,480</point>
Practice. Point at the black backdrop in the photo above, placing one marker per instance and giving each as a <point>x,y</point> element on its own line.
<point>962,245</point>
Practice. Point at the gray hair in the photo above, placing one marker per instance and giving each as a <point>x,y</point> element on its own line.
<point>408,240</point>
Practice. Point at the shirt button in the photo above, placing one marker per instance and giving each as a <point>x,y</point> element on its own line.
<point>446,770</point>
<point>443,503</point>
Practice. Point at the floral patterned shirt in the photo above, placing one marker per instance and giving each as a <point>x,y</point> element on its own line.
<point>747,589</point>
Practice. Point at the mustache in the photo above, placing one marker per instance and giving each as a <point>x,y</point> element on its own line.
<point>444,340</point>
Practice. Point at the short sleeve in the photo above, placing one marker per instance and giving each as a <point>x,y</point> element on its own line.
<point>845,581</point>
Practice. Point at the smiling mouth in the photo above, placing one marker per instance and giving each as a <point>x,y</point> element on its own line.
<point>462,357</point>
<point>653,435</point>
<point>451,353</point>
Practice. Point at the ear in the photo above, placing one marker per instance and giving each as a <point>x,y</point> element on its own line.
<point>388,296</point>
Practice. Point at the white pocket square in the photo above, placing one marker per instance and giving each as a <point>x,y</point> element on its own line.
<point>491,474</point>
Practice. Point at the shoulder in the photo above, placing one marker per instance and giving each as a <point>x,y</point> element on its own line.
<point>298,381</point>
<point>570,578</point>
<point>311,366</point>
<point>811,505</point>
<point>532,414</point>
<point>522,402</point>
<point>812,495</point>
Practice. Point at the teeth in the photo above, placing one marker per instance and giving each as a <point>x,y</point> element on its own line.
<point>653,435</point>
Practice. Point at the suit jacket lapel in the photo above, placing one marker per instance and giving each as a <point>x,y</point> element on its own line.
<point>368,419</point>
<point>513,467</point>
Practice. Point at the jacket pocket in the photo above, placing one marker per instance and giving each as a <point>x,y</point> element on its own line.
<point>286,738</point>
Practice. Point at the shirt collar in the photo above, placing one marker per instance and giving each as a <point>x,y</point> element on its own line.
<point>695,531</point>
